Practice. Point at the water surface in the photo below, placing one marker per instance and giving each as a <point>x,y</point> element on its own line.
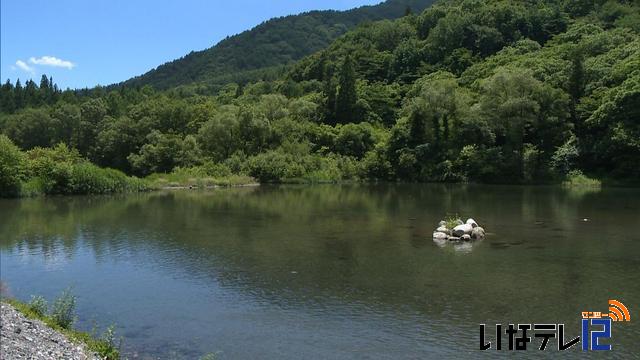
<point>319,272</point>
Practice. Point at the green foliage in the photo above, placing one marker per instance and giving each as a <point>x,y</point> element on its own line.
<point>58,170</point>
<point>12,167</point>
<point>207,175</point>
<point>346,97</point>
<point>355,139</point>
<point>452,221</point>
<point>38,305</point>
<point>63,309</point>
<point>163,152</point>
<point>503,91</point>
<point>252,55</point>
<point>576,178</point>
<point>104,347</point>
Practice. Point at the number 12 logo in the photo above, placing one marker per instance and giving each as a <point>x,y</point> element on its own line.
<point>591,342</point>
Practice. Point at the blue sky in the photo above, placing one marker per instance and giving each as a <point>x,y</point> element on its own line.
<point>83,43</point>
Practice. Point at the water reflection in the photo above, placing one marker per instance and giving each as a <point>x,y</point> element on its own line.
<point>337,271</point>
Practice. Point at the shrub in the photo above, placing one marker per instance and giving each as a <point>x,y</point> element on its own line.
<point>355,139</point>
<point>86,178</point>
<point>273,166</point>
<point>38,305</point>
<point>33,187</point>
<point>63,309</point>
<point>12,167</point>
<point>576,178</point>
<point>106,346</point>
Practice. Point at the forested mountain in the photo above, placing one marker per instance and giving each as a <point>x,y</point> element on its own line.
<point>274,43</point>
<point>494,91</point>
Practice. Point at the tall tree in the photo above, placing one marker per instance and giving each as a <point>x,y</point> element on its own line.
<point>7,101</point>
<point>18,95</point>
<point>347,96</point>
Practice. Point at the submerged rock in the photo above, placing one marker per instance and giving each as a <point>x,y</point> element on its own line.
<point>477,233</point>
<point>439,235</point>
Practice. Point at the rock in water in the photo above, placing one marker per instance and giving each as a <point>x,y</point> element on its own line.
<point>465,237</point>
<point>462,229</point>
<point>477,233</point>
<point>453,238</point>
<point>472,222</point>
<point>442,229</point>
<point>439,235</point>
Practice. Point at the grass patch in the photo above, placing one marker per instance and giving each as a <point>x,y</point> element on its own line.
<point>576,178</point>
<point>104,346</point>
<point>197,177</point>
<point>452,221</point>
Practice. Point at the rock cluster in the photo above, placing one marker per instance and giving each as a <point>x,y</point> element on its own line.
<point>23,338</point>
<point>461,231</point>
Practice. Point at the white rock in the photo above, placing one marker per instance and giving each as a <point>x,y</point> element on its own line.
<point>442,229</point>
<point>465,237</point>
<point>477,233</point>
<point>472,222</point>
<point>439,235</point>
<point>462,229</point>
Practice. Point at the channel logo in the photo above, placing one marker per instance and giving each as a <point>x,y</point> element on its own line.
<point>618,312</point>
<point>595,332</point>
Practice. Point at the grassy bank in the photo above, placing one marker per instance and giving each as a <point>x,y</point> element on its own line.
<point>61,318</point>
<point>200,177</point>
<point>577,179</point>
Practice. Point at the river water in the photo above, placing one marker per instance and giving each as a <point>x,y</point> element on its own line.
<point>329,272</point>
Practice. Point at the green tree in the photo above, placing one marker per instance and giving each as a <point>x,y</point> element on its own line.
<point>12,167</point>
<point>163,152</point>
<point>355,139</point>
<point>347,97</point>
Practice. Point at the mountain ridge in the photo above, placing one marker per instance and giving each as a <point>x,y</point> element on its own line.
<point>276,42</point>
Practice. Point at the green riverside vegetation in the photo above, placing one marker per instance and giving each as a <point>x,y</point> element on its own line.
<point>61,317</point>
<point>496,91</point>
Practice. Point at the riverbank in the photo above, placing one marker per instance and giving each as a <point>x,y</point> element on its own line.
<point>26,334</point>
<point>28,338</point>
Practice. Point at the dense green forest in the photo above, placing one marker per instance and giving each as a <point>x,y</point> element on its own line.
<point>263,52</point>
<point>466,91</point>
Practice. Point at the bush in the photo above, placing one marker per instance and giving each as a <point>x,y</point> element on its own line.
<point>12,167</point>
<point>63,309</point>
<point>86,178</point>
<point>38,305</point>
<point>33,187</point>
<point>105,346</point>
<point>355,139</point>
<point>576,178</point>
<point>274,166</point>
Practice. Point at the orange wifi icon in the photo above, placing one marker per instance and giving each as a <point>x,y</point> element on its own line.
<point>618,312</point>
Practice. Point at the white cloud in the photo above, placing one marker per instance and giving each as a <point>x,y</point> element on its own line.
<point>23,65</point>
<point>52,61</point>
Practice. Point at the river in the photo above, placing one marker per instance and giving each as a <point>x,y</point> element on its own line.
<point>329,271</point>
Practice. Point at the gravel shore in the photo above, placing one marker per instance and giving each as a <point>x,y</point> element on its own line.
<point>23,338</point>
